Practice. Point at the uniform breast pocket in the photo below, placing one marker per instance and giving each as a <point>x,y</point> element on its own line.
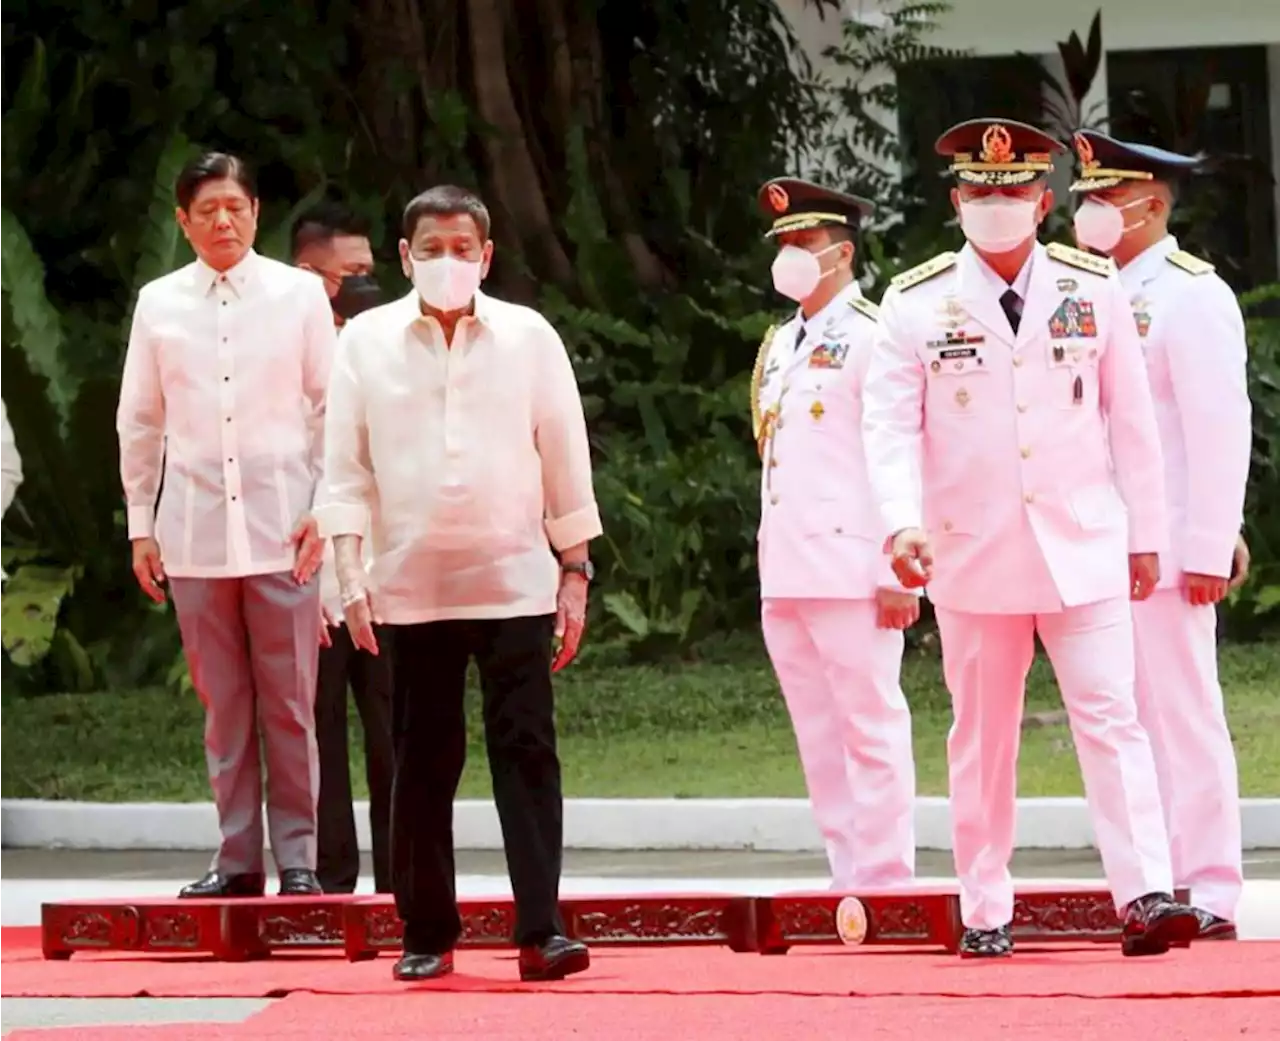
<point>1073,368</point>
<point>959,378</point>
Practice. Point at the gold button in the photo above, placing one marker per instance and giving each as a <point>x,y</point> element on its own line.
<point>773,462</point>
<point>774,500</point>
<point>839,531</point>
<point>1028,498</point>
<point>778,424</point>
<point>946,526</point>
<point>1022,407</point>
<point>1026,453</point>
<point>1017,363</point>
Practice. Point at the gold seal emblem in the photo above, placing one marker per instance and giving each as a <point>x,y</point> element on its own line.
<point>997,145</point>
<point>851,921</point>
<point>778,198</point>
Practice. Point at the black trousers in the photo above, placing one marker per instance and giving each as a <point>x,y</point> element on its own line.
<point>513,656</point>
<point>370,681</point>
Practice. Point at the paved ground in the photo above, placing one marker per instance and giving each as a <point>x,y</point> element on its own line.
<point>31,877</point>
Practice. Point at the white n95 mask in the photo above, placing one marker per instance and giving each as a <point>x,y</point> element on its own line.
<point>997,223</point>
<point>797,272</point>
<point>446,283</point>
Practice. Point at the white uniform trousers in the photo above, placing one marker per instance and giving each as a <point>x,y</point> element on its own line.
<point>841,678</point>
<point>1180,704</point>
<point>986,659</point>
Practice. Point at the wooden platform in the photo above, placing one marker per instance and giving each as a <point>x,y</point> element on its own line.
<point>363,927</point>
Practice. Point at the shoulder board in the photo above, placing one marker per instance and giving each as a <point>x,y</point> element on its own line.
<point>865,307</point>
<point>1189,263</point>
<point>1078,258</point>
<point>757,374</point>
<point>923,272</point>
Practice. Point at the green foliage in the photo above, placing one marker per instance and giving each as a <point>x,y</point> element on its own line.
<point>1252,609</point>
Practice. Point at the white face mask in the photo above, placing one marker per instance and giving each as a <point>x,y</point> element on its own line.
<point>797,272</point>
<point>446,283</point>
<point>997,223</point>
<point>1100,225</point>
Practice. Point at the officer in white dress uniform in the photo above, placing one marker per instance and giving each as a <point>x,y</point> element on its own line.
<point>1009,377</point>
<point>832,610</point>
<point>1192,335</point>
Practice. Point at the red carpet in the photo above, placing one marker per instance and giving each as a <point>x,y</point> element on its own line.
<point>511,1017</point>
<point>1232,969</point>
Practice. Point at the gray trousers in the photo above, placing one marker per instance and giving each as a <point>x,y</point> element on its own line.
<point>252,646</point>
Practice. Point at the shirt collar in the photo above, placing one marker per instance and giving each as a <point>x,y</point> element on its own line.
<point>238,277</point>
<point>833,307</point>
<point>1019,285</point>
<point>412,309</point>
<point>1144,266</point>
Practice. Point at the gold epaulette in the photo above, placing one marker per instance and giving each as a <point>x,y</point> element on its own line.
<point>923,272</point>
<point>865,308</point>
<point>757,377</point>
<point>1189,263</point>
<point>1078,258</point>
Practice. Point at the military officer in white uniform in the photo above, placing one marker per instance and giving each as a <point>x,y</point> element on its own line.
<point>1009,377</point>
<point>1193,339</point>
<point>832,610</point>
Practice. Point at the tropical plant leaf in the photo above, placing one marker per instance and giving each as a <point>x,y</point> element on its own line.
<point>29,610</point>
<point>627,610</point>
<point>37,324</point>
<point>158,247</point>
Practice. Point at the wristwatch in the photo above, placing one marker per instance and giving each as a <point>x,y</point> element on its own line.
<point>586,569</point>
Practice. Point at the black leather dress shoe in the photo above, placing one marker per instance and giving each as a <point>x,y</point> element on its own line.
<point>215,884</point>
<point>297,881</point>
<point>412,967</point>
<point>987,943</point>
<point>1214,928</point>
<point>553,959</point>
<point>1154,923</point>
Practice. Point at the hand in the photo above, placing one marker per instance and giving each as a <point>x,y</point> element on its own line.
<point>359,617</point>
<point>1239,564</point>
<point>1203,589</point>
<point>1144,573</point>
<point>148,569</point>
<point>912,558</point>
<point>309,549</point>
<point>571,618</point>
<point>896,609</point>
<point>326,623</point>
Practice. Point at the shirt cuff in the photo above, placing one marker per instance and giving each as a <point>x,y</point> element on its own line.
<point>142,522</point>
<point>579,526</point>
<point>1206,555</point>
<point>338,518</point>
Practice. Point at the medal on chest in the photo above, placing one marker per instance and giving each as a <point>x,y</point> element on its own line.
<point>1141,314</point>
<point>1074,319</point>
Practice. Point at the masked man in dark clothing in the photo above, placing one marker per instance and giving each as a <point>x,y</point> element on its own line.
<point>333,243</point>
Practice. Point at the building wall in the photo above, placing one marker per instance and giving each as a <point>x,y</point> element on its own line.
<point>1004,27</point>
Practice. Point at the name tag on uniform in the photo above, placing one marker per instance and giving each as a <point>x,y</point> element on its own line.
<point>829,356</point>
<point>958,352</point>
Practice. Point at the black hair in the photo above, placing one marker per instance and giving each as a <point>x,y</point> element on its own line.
<point>213,166</point>
<point>843,233</point>
<point>445,200</point>
<point>322,223</point>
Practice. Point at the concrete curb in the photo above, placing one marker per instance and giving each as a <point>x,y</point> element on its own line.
<point>597,824</point>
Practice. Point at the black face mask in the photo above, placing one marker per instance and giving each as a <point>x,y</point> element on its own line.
<point>356,293</point>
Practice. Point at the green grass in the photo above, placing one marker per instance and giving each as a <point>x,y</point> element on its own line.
<point>716,727</point>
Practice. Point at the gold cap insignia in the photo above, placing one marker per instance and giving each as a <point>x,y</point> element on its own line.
<point>1085,151</point>
<point>778,198</point>
<point>997,145</point>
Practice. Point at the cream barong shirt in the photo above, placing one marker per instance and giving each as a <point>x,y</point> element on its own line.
<point>469,463</point>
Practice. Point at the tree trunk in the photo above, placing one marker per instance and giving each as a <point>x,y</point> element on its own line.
<point>517,190</point>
